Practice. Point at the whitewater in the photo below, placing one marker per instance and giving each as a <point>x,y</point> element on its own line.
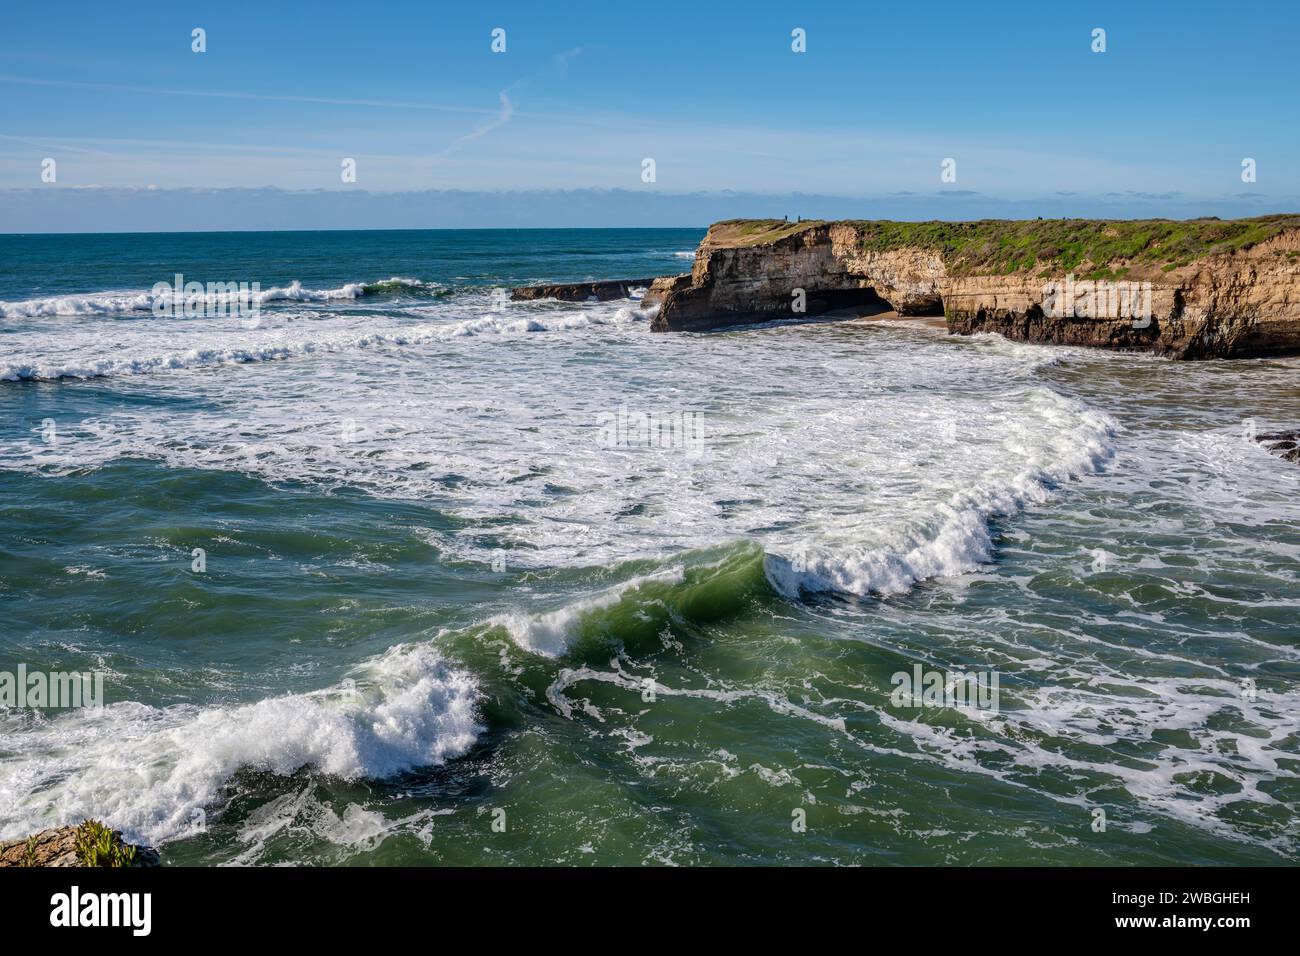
<point>435,587</point>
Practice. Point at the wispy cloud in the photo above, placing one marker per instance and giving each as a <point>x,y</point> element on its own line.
<point>503,117</point>
<point>232,95</point>
<point>559,66</point>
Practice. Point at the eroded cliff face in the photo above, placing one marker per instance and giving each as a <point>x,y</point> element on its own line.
<point>810,272</point>
<point>1235,304</point>
<point>660,287</point>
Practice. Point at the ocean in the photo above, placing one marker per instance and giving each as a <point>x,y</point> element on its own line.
<point>397,572</point>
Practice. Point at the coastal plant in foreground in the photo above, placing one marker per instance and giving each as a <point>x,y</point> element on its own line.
<point>98,846</point>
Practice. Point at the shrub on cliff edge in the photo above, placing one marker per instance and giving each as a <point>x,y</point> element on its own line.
<point>99,846</point>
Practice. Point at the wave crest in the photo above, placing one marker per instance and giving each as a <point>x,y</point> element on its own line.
<point>149,769</point>
<point>119,303</point>
<point>957,538</point>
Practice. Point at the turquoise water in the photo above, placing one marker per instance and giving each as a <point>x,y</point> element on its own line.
<point>444,618</point>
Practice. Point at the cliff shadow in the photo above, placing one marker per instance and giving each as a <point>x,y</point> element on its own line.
<point>845,303</point>
<point>821,305</point>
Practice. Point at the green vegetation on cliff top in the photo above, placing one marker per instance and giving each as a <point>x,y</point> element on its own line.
<point>98,846</point>
<point>1000,246</point>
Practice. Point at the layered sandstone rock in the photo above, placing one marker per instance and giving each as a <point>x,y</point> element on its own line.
<point>660,287</point>
<point>1206,289</point>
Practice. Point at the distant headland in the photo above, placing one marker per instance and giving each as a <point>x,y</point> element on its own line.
<point>1201,288</point>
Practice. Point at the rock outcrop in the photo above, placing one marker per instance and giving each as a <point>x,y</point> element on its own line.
<point>60,847</point>
<point>1195,289</point>
<point>659,288</point>
<point>581,291</point>
<point>1285,444</point>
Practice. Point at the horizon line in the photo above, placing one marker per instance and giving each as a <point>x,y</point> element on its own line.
<point>810,221</point>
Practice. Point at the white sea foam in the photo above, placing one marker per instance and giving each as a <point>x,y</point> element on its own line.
<point>955,537</point>
<point>120,302</point>
<point>117,303</point>
<point>877,467</point>
<point>868,458</point>
<point>1107,707</point>
<point>149,769</point>
<point>99,303</point>
<point>1055,729</point>
<point>96,352</point>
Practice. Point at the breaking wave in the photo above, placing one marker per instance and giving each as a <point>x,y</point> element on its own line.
<point>956,538</point>
<point>118,303</point>
<point>232,346</point>
<point>149,769</point>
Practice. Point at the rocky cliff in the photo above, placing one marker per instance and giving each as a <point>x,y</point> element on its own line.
<point>1189,289</point>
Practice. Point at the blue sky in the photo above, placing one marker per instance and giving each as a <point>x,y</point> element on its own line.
<point>711,91</point>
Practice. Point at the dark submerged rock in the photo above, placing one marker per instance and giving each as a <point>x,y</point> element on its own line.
<point>1285,444</point>
<point>580,291</point>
